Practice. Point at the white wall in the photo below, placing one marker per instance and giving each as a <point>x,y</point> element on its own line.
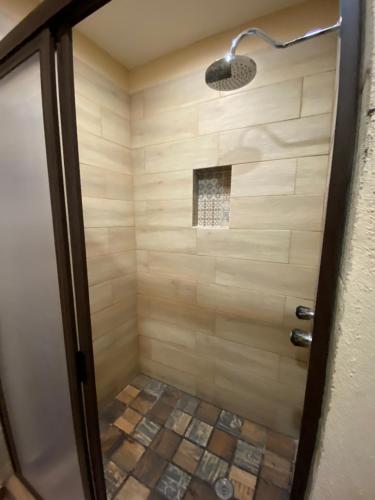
<point>345,458</point>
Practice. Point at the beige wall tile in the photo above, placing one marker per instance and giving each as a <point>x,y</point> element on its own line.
<point>176,213</point>
<point>88,115</point>
<point>166,186</point>
<point>168,287</point>
<point>261,362</point>
<point>293,372</point>
<point>175,335</point>
<point>112,317</point>
<point>166,239</point>
<point>106,267</point>
<point>305,248</point>
<point>318,93</point>
<point>99,152</point>
<point>168,126</point>
<point>289,139</point>
<point>264,178</point>
<point>277,212</point>
<point>200,152</point>
<point>100,183</point>
<point>121,239</point>
<point>138,161</point>
<point>272,103</point>
<point>137,106</point>
<point>190,89</point>
<point>100,296</point>
<point>312,175</point>
<point>233,300</point>
<point>115,127</point>
<point>270,277</point>
<point>197,319</point>
<point>193,267</point>
<point>99,212</point>
<point>244,244</point>
<point>182,380</point>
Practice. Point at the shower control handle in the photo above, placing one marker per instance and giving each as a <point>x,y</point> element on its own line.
<point>303,312</point>
<point>300,338</point>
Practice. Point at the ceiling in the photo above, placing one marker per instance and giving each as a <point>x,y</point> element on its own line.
<point>137,31</point>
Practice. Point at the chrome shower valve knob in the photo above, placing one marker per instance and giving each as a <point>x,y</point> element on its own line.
<point>303,312</point>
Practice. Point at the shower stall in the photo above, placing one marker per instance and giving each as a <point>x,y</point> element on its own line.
<point>171,233</point>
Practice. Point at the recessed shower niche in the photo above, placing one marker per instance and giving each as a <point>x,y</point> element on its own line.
<point>211,196</point>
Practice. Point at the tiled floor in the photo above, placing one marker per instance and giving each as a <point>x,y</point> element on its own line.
<point>161,443</point>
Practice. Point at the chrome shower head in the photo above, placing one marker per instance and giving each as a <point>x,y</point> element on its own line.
<point>231,72</point>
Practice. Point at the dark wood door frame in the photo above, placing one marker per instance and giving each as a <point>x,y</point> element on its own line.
<point>59,16</point>
<point>343,161</point>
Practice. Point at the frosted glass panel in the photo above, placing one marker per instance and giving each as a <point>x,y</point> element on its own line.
<point>32,352</point>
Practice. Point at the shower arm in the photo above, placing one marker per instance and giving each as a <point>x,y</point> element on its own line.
<point>277,44</point>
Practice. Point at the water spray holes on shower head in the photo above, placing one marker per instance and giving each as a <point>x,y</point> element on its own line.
<point>230,72</point>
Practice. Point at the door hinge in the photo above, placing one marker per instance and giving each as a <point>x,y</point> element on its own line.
<point>81,367</point>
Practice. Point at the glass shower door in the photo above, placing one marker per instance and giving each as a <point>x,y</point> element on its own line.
<point>33,359</point>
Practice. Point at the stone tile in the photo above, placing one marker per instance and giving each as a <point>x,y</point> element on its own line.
<point>248,457</point>
<point>244,483</point>
<point>112,411</point>
<point>229,422</point>
<point>222,444</point>
<point>146,431</point>
<point>188,404</point>
<point>155,388</point>
<point>156,495</point>
<point>199,432</point>
<point>165,444</point>
<point>208,413</point>
<point>114,477</point>
<point>268,491</point>
<point>140,381</point>
<point>254,433</point>
<point>188,456</point>
<point>133,490</point>
<point>178,421</point>
<point>128,455</point>
<point>283,446</point>
<point>170,396</point>
<point>150,468</point>
<point>143,402</point>
<point>277,470</point>
<point>160,412</point>
<point>211,467</point>
<point>199,490</point>
<point>173,483</point>
<point>110,438</point>
<point>128,394</point>
<point>128,420</point>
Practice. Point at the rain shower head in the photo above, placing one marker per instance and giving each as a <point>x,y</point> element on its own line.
<point>234,71</point>
<point>231,72</point>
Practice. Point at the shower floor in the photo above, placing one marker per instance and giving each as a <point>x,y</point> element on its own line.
<point>159,442</point>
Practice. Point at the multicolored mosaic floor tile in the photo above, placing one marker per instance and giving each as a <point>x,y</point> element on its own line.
<point>161,443</point>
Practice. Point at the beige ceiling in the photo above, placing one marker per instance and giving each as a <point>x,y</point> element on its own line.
<point>137,31</point>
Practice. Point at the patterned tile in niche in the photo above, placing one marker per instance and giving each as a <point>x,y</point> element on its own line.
<point>268,491</point>
<point>229,422</point>
<point>146,431</point>
<point>143,402</point>
<point>254,433</point>
<point>248,457</point>
<point>281,445</point>
<point>110,438</point>
<point>207,412</point>
<point>128,420</point>
<point>114,477</point>
<point>150,468</point>
<point>155,388</point>
<point>112,411</point>
<point>160,412</point>
<point>188,404</point>
<point>127,394</point>
<point>178,421</point>
<point>211,467</point>
<point>165,444</point>
<point>170,396</point>
<point>128,455</point>
<point>133,490</point>
<point>222,444</point>
<point>173,483</point>
<point>277,470</point>
<point>199,432</point>
<point>244,483</point>
<point>188,456</point>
